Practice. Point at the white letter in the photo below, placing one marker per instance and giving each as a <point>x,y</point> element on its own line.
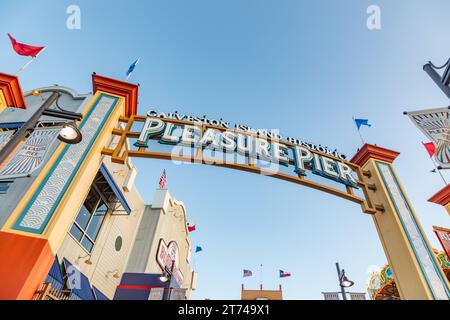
<point>244,144</point>
<point>168,137</point>
<point>262,149</point>
<point>74,20</point>
<point>210,139</point>
<point>329,167</point>
<point>189,134</point>
<point>152,127</point>
<point>374,20</point>
<point>301,156</point>
<point>228,142</point>
<point>279,153</point>
<point>345,173</point>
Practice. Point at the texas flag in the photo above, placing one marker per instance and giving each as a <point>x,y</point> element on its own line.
<point>25,49</point>
<point>284,274</point>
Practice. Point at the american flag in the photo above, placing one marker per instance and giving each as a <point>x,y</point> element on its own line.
<point>162,180</point>
<point>247,273</point>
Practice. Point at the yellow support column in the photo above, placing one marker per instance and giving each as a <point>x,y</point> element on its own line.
<point>415,267</point>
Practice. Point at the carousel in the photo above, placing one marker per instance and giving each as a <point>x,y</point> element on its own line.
<point>382,285</point>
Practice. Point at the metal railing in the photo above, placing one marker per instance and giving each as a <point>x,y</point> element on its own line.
<point>47,292</point>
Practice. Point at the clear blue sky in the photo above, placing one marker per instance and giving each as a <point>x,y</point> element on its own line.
<point>304,67</point>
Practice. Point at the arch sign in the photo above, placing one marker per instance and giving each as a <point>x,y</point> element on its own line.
<point>368,179</point>
<point>214,142</point>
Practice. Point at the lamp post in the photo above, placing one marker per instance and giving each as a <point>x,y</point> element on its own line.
<point>441,81</point>
<point>344,282</point>
<point>167,277</point>
<point>69,133</point>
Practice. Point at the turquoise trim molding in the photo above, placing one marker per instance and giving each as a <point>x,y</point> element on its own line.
<point>17,224</point>
<point>405,228</point>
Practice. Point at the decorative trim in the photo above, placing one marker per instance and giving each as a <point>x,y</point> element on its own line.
<point>441,229</point>
<point>12,91</point>
<point>422,252</point>
<point>442,197</point>
<point>369,151</point>
<point>120,88</point>
<point>45,200</point>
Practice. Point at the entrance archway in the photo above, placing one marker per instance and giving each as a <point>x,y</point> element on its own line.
<point>408,251</point>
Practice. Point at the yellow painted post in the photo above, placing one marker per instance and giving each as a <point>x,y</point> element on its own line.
<point>2,102</point>
<point>415,267</point>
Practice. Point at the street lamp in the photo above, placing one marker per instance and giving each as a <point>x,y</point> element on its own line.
<point>167,278</point>
<point>69,133</point>
<point>344,282</point>
<point>443,81</point>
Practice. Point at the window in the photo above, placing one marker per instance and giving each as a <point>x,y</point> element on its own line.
<point>4,186</point>
<point>88,222</point>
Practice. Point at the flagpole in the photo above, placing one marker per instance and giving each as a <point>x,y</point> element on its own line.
<point>439,171</point>
<point>260,275</point>
<point>359,132</point>
<point>29,62</point>
<point>436,167</point>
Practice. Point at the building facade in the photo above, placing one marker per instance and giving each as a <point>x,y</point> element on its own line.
<point>161,240</point>
<point>71,220</point>
<point>261,294</point>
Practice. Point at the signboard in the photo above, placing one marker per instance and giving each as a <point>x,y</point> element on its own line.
<point>199,140</point>
<point>178,294</point>
<point>357,296</point>
<point>32,153</point>
<point>444,238</point>
<point>269,133</point>
<point>264,145</point>
<point>331,295</point>
<point>5,136</point>
<point>165,256</point>
<point>435,125</point>
<point>156,294</point>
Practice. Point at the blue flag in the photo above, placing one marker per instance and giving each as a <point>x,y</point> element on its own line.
<point>131,68</point>
<point>362,122</point>
<point>198,249</point>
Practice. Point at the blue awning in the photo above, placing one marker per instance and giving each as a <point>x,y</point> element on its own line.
<point>137,286</point>
<point>55,276</point>
<point>98,294</point>
<point>108,177</point>
<point>78,283</point>
<point>11,125</point>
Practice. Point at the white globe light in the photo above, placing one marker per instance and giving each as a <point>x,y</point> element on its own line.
<point>70,134</point>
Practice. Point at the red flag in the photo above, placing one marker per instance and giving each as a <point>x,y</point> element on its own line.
<point>25,49</point>
<point>430,148</point>
<point>191,228</point>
